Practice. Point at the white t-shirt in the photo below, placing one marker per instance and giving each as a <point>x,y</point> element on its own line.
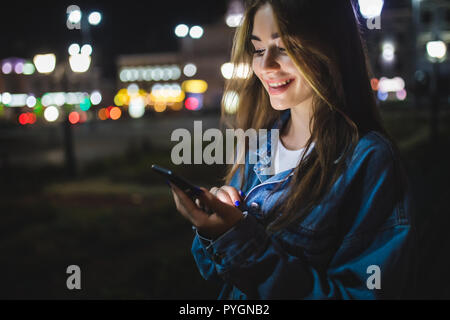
<point>287,159</point>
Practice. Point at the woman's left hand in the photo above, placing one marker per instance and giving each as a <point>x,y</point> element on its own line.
<point>213,225</point>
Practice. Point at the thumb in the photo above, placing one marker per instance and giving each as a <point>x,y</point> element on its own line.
<point>214,203</point>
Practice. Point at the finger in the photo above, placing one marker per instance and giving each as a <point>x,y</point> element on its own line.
<point>187,207</point>
<point>222,195</point>
<point>218,206</point>
<point>234,195</point>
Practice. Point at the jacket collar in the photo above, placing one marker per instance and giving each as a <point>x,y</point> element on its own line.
<point>263,167</point>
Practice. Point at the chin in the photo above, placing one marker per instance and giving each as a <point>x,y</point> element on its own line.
<point>280,106</point>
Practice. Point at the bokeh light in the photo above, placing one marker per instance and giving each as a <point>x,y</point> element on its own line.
<point>74,117</point>
<point>181,30</point>
<point>45,63</point>
<point>51,114</point>
<point>74,49</point>
<point>7,67</point>
<point>96,98</point>
<point>189,70</point>
<point>115,113</point>
<point>95,18</point>
<point>196,32</point>
<point>230,102</point>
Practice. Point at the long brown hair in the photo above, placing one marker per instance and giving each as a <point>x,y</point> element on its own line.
<point>323,38</point>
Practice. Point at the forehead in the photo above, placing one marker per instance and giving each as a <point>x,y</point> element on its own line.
<point>264,25</point>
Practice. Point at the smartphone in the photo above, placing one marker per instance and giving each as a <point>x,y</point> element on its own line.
<point>191,190</point>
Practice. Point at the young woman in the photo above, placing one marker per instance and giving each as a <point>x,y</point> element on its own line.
<point>333,220</point>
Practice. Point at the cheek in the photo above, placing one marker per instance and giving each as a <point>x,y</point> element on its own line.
<point>256,69</point>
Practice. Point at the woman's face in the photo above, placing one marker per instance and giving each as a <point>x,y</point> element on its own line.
<point>274,68</point>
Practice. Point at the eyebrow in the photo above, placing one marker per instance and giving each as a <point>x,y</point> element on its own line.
<point>274,36</point>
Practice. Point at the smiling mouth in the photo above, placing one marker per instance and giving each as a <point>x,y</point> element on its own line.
<point>275,88</point>
<point>280,84</point>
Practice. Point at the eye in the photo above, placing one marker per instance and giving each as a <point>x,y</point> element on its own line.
<point>258,52</point>
<point>283,50</point>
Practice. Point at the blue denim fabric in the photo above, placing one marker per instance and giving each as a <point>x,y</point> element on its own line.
<point>326,256</point>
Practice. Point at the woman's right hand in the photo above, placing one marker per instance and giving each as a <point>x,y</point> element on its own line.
<point>226,194</point>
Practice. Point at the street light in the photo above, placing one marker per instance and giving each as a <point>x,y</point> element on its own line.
<point>95,18</point>
<point>436,49</point>
<point>181,30</point>
<point>370,8</point>
<point>45,63</point>
<point>196,32</point>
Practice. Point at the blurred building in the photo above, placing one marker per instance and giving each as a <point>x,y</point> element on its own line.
<point>196,59</point>
<point>397,49</point>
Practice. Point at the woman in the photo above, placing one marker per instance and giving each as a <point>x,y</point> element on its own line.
<point>333,220</point>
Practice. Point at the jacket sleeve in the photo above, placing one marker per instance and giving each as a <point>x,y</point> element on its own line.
<point>204,261</point>
<point>369,262</point>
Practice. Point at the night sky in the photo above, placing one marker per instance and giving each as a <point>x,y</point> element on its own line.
<point>128,27</point>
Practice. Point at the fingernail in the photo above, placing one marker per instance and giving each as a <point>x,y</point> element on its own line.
<point>236,203</point>
<point>241,193</point>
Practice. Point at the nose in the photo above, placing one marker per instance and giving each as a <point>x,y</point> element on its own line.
<point>269,61</point>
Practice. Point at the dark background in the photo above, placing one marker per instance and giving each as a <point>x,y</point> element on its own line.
<point>116,220</point>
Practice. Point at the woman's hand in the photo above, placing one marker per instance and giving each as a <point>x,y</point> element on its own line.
<point>224,216</point>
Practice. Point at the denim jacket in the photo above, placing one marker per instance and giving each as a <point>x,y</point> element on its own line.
<point>373,258</point>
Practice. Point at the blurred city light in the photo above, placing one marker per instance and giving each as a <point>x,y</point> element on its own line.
<point>45,63</point>
<point>85,104</point>
<point>154,73</point>
<point>95,18</point>
<point>231,102</point>
<point>190,70</point>
<point>191,103</point>
<point>227,70</point>
<point>27,118</point>
<point>18,68</point>
<point>370,8</point>
<point>136,108</point>
<point>74,49</point>
<point>74,117</point>
<point>388,52</point>
<point>194,86</point>
<point>79,62</point>
<point>51,114</point>
<point>28,68</point>
<point>86,50</point>
<point>31,101</point>
<point>96,98</point>
<point>234,20</point>
<point>102,114</point>
<point>7,67</point>
<point>382,95</point>
<point>181,30</point>
<point>6,98</point>
<point>374,84</point>
<point>391,85</point>
<point>74,16</point>
<point>14,100</point>
<point>196,32</point>
<point>132,89</point>
<point>115,113</point>
<point>436,49</point>
<point>401,95</point>
<point>235,12</point>
<point>242,71</point>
